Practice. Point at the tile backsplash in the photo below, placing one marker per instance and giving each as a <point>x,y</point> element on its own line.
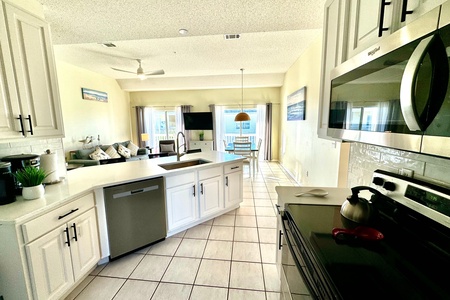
<point>32,146</point>
<point>365,158</point>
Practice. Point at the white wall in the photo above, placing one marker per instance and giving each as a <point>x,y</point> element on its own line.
<point>83,118</point>
<point>310,160</point>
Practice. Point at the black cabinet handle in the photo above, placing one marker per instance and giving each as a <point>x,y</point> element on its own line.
<point>21,125</point>
<point>237,167</point>
<point>70,212</point>
<point>381,28</point>
<point>75,236</point>
<point>405,11</point>
<point>31,125</point>
<point>67,236</point>
<point>280,245</point>
<point>194,189</point>
<point>201,188</point>
<point>226,180</point>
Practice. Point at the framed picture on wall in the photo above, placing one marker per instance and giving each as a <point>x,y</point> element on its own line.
<point>296,105</point>
<point>89,94</point>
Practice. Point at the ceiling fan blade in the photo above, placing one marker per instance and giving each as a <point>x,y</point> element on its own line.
<point>157,72</point>
<point>123,70</point>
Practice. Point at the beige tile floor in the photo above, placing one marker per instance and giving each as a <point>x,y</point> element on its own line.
<point>230,257</point>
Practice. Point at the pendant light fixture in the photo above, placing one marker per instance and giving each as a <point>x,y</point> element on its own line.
<point>242,116</point>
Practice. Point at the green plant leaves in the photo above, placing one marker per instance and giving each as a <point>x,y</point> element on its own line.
<point>30,176</point>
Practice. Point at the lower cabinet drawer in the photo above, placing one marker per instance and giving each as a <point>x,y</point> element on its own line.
<point>43,224</point>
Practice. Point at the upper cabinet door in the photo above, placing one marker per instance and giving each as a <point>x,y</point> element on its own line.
<point>9,102</point>
<point>36,79</point>
<point>372,20</point>
<point>365,19</point>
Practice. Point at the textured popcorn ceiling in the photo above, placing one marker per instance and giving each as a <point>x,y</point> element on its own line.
<point>273,35</point>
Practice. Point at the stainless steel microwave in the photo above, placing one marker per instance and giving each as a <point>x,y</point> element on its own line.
<point>397,93</point>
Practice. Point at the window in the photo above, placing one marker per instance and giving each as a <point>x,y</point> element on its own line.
<point>226,129</point>
<point>160,124</point>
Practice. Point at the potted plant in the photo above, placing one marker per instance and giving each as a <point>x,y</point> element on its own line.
<point>31,179</point>
<point>201,135</point>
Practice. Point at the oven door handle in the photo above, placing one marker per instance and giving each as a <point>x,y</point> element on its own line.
<point>433,46</point>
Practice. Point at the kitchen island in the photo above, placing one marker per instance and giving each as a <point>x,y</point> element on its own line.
<point>66,225</point>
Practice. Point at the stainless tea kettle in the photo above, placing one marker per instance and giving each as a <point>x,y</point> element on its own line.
<point>357,209</point>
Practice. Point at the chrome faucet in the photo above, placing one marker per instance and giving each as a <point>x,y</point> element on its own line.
<point>179,146</point>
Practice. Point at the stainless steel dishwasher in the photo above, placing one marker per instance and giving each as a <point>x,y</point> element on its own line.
<point>135,215</point>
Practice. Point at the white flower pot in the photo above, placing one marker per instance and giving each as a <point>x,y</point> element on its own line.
<point>33,192</point>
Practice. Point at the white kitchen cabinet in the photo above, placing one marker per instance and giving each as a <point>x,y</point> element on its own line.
<point>203,145</point>
<point>181,198</point>
<point>333,54</point>
<point>233,183</point>
<point>372,20</point>
<point>210,191</point>
<point>29,69</point>
<point>61,257</point>
<point>51,264</point>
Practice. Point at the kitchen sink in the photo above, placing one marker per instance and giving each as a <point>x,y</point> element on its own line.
<point>183,164</point>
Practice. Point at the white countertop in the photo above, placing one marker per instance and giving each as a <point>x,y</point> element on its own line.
<point>84,180</point>
<point>336,196</point>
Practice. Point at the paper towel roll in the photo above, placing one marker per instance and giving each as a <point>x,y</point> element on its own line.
<point>49,163</point>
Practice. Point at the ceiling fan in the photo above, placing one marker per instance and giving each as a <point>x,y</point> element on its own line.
<point>140,72</point>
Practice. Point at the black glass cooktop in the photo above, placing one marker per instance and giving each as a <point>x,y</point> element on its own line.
<point>407,264</point>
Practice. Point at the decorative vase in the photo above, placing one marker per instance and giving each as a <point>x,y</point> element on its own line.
<point>33,192</point>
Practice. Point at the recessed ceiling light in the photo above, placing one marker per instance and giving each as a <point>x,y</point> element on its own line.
<point>108,45</point>
<point>183,31</point>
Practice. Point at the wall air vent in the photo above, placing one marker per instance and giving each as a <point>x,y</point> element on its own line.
<point>232,36</point>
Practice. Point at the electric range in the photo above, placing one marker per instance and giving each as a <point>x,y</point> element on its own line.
<point>408,263</point>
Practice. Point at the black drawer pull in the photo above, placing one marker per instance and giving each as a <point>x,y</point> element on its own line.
<point>237,167</point>
<point>67,236</point>
<point>70,212</point>
<point>75,236</point>
<point>21,125</point>
<point>405,11</point>
<point>31,125</point>
<point>381,27</point>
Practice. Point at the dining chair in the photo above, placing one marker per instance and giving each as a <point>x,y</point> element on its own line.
<point>241,139</point>
<point>244,149</point>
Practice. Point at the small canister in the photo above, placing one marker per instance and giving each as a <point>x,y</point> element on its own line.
<point>7,184</point>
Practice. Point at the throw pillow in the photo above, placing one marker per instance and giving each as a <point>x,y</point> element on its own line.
<point>167,148</point>
<point>133,148</point>
<point>99,154</point>
<point>124,151</point>
<point>112,152</point>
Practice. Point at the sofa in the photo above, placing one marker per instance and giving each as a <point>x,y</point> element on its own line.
<point>107,154</point>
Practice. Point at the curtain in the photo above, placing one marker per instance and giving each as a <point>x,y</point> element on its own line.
<point>268,133</point>
<point>212,108</point>
<point>140,119</point>
<point>219,127</point>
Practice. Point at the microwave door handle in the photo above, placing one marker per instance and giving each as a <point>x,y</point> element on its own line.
<point>407,87</point>
<point>436,49</point>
